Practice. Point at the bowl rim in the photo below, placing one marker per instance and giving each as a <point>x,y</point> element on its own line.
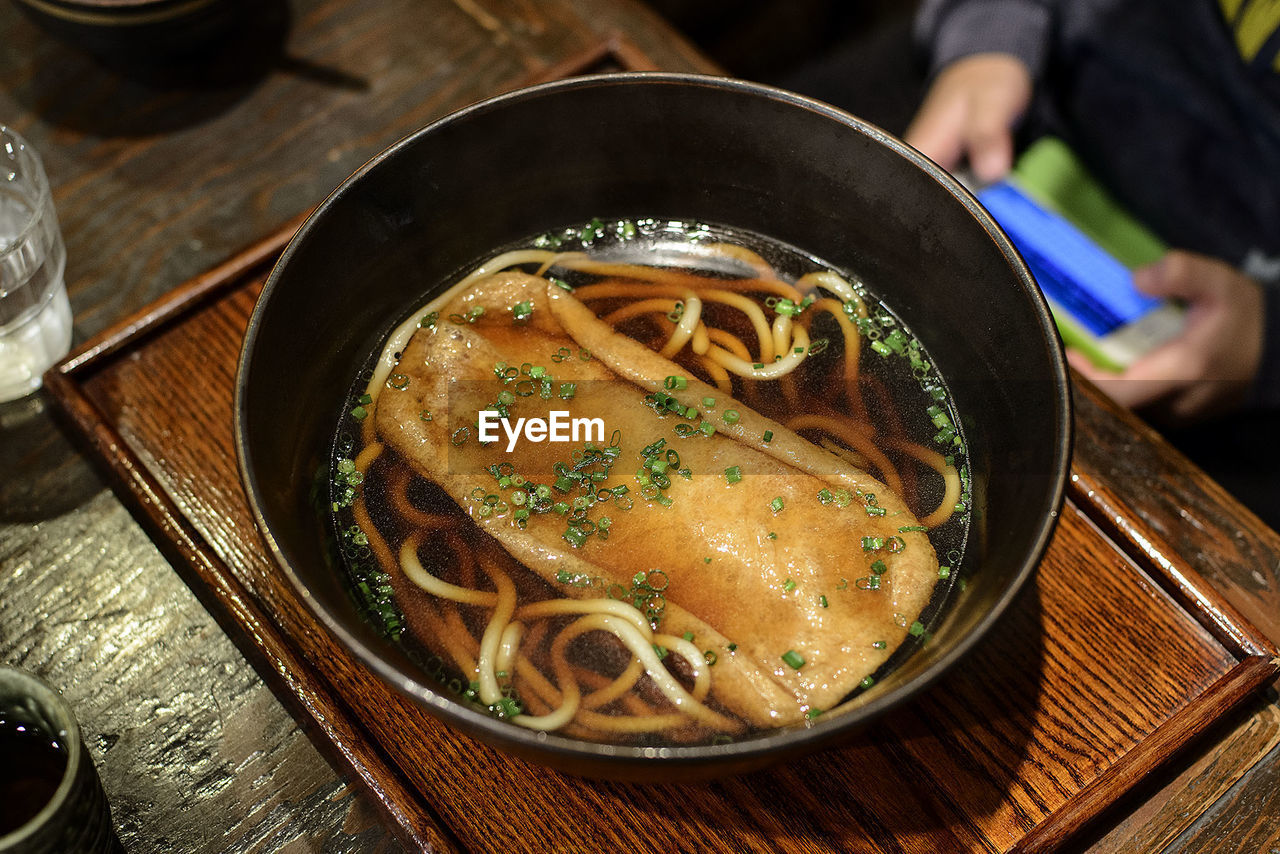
<point>801,739</point>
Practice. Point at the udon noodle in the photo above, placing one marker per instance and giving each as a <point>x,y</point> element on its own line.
<point>609,602</point>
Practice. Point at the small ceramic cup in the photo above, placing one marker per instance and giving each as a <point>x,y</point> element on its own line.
<point>54,800</point>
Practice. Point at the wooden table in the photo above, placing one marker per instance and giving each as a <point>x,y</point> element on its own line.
<point>156,184</point>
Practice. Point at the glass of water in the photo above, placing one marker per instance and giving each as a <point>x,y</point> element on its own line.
<point>35,316</point>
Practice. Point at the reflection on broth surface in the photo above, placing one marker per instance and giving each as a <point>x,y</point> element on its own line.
<point>652,483</point>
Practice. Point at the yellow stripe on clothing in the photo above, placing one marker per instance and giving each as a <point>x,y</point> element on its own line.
<point>1229,9</point>
<point>1261,18</point>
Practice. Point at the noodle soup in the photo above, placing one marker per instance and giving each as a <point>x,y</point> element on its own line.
<point>649,482</point>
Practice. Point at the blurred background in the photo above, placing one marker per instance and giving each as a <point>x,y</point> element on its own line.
<point>857,56</point>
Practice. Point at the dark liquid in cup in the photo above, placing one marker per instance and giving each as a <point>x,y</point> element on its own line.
<point>32,763</point>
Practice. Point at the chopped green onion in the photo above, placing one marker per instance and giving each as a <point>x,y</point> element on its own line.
<point>866,683</point>
<point>675,383</point>
<point>730,416</point>
<point>768,435</point>
<point>732,647</point>
<point>881,348</point>
<point>777,504</point>
<point>773,535</point>
<point>825,496</point>
<point>711,657</point>
<point>870,544</point>
<point>879,644</point>
<point>822,600</point>
<point>521,311</point>
<point>359,413</point>
<point>878,567</point>
<point>793,659</point>
<point>661,651</point>
<point>733,474</point>
<point>709,403</point>
<point>813,713</point>
<point>916,630</point>
<point>707,427</point>
<point>788,585</point>
<point>944,572</point>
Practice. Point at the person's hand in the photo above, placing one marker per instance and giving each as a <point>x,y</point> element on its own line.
<point>970,111</point>
<point>1208,368</point>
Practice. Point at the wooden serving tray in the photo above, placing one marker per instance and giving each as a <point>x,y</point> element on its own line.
<point>1115,658</point>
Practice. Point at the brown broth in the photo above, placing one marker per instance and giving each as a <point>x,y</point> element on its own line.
<point>893,385</point>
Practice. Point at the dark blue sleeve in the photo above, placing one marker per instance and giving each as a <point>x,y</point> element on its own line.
<point>1265,393</point>
<point>952,29</point>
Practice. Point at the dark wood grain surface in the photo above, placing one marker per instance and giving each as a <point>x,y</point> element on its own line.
<point>158,178</point>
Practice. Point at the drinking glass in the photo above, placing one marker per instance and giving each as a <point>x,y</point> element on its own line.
<point>51,799</point>
<point>35,316</point>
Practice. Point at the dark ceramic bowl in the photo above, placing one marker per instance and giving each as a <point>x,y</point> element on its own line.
<point>721,151</point>
<point>139,30</point>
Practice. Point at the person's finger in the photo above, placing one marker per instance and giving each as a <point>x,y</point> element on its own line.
<point>989,134</point>
<point>1081,363</point>
<point>990,150</point>
<point>1153,377</point>
<point>1183,276</point>
<point>1150,278</point>
<point>937,131</point>
<point>1142,384</point>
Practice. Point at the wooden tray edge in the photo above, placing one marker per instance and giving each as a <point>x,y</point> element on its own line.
<point>1167,742</point>
<point>1143,544</point>
<point>269,652</point>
